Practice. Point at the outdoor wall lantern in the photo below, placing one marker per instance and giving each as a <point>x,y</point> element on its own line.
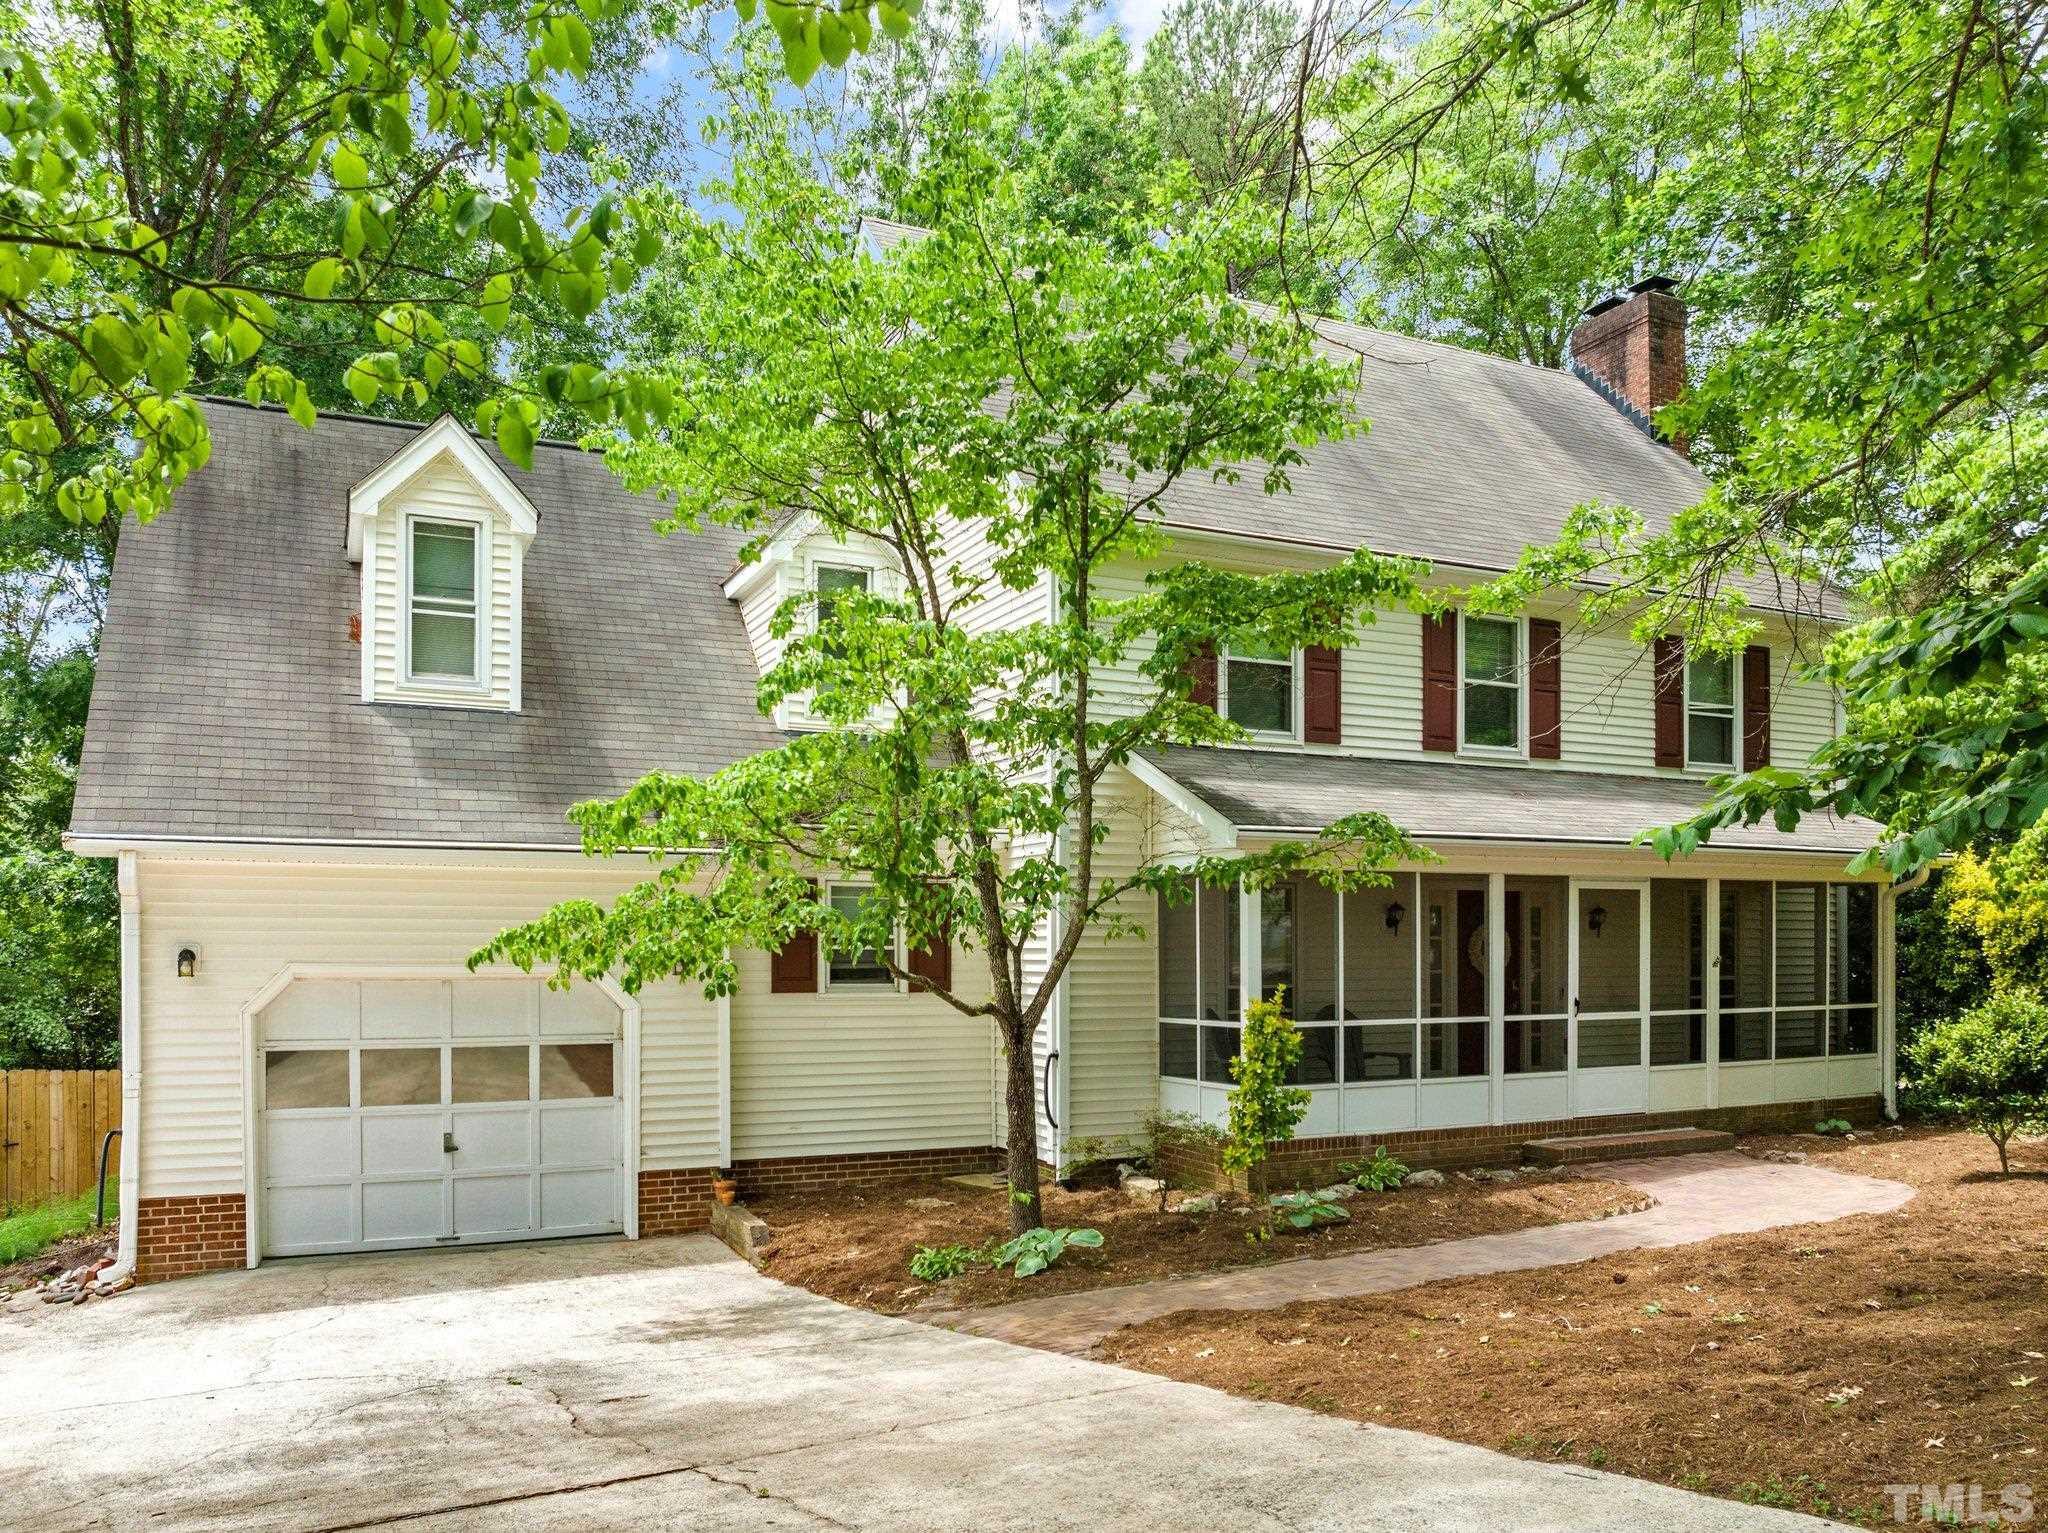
<point>1596,918</point>
<point>1394,913</point>
<point>188,963</point>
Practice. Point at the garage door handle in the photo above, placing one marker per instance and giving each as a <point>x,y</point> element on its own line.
<point>447,1143</point>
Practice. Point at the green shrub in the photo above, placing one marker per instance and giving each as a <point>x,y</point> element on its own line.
<point>1383,1173</point>
<point>936,1263</point>
<point>1987,1068</point>
<point>1833,1127</point>
<point>1035,1250</point>
<point>1263,1108</point>
<point>1304,1210</point>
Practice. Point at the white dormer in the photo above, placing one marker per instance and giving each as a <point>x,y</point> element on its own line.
<point>441,534</point>
<point>802,559</point>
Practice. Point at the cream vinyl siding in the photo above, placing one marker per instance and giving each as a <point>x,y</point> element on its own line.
<point>1608,687</point>
<point>1112,1052</point>
<point>443,490</point>
<point>249,920</point>
<point>848,1071</point>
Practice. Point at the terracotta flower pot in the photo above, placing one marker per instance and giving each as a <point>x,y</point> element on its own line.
<point>725,1189</point>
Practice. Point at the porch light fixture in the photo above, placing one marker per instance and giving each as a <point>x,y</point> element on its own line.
<point>1394,913</point>
<point>188,963</point>
<point>1596,918</point>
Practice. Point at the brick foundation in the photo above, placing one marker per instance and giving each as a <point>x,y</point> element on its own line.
<point>675,1202</point>
<point>1305,1161</point>
<point>803,1173</point>
<point>177,1237</point>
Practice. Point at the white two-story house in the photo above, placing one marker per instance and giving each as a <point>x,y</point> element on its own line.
<point>351,684</point>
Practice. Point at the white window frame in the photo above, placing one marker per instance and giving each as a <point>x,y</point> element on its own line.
<point>1734,763</point>
<point>867,572</point>
<point>1519,751</point>
<point>858,986</point>
<point>478,680</point>
<point>1291,735</point>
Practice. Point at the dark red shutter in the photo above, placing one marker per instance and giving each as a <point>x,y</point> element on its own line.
<point>1202,677</point>
<point>1670,668</point>
<point>1440,682</point>
<point>933,965</point>
<point>1756,707</point>
<point>1546,689</point>
<point>793,968</point>
<point>1322,695</point>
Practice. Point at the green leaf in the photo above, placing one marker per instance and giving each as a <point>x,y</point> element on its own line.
<point>322,275</point>
<point>349,170</point>
<point>496,306</point>
<point>515,437</point>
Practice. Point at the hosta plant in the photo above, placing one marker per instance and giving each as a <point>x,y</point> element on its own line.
<point>1383,1173</point>
<point>1035,1250</point>
<point>1305,1210</point>
<point>936,1263</point>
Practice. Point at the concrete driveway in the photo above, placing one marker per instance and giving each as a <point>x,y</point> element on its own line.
<point>665,1384</point>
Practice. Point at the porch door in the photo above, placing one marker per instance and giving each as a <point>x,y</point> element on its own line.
<point>1610,997</point>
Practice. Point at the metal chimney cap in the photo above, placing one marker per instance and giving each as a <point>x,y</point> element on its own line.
<point>1604,305</point>
<point>1654,285</point>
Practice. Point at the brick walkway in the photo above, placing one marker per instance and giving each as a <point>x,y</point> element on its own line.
<point>1698,1197</point>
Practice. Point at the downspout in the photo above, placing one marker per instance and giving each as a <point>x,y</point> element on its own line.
<point>1891,1011</point>
<point>130,888</point>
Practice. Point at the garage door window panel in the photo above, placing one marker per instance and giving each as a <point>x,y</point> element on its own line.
<point>491,1073</point>
<point>302,1078</point>
<point>570,1070</point>
<point>401,1077</point>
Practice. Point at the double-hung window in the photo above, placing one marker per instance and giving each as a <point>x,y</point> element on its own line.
<point>831,584</point>
<point>1710,711</point>
<point>1258,688</point>
<point>1492,683</point>
<point>864,967</point>
<point>442,615</point>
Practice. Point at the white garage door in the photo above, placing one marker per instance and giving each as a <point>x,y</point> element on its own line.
<point>410,1112</point>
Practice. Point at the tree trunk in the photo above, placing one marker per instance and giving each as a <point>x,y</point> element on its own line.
<point>1020,1104</point>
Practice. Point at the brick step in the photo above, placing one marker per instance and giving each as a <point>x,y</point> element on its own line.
<point>1574,1149</point>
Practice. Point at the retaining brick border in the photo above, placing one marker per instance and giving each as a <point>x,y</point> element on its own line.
<point>178,1237</point>
<point>1316,1160</point>
<point>807,1173</point>
<point>675,1202</point>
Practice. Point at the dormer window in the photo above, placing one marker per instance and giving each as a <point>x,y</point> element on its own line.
<point>442,616</point>
<point>833,583</point>
<point>441,533</point>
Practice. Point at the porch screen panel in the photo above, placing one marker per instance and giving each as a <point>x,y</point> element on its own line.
<point>1537,1029</point>
<point>1610,977</point>
<point>1177,969</point>
<point>1678,982</point>
<point>1801,946</point>
<point>1276,945</point>
<point>1745,971</point>
<point>1314,995</point>
<point>1852,969</point>
<point>1379,952</point>
<point>1216,913</point>
<point>1455,959</point>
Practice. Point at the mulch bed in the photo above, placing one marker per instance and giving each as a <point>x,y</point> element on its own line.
<point>854,1244</point>
<point>1807,1367</point>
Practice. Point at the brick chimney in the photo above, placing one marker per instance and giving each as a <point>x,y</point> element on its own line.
<point>1632,349</point>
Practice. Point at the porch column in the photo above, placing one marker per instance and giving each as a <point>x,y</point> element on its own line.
<point>1496,995</point>
<point>1710,984</point>
<point>1250,954</point>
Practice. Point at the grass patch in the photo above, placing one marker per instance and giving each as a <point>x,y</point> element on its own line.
<point>32,1230</point>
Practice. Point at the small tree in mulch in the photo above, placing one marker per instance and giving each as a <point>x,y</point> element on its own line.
<point>1987,1068</point>
<point>1264,1109</point>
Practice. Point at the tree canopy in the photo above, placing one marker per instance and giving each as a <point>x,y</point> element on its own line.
<point>1000,407</point>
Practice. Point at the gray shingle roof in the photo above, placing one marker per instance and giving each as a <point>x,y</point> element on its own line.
<point>1462,801</point>
<point>228,702</point>
<point>1470,460</point>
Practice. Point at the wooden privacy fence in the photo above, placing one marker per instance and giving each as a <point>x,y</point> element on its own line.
<point>51,1125</point>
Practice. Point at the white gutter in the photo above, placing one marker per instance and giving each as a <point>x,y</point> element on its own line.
<point>130,1213</point>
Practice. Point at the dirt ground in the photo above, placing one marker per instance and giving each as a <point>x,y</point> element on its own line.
<point>55,1260</point>
<point>1806,1367</point>
<point>854,1244</point>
